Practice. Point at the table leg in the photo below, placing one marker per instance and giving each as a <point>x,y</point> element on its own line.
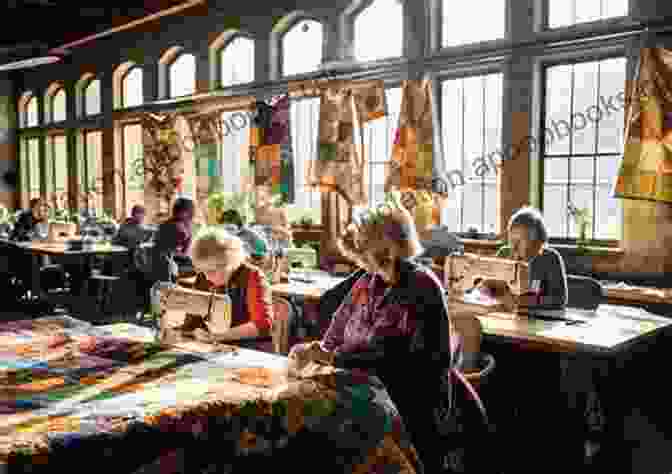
<point>613,390</point>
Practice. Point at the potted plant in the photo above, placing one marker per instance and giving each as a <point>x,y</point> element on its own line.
<point>306,221</point>
<point>582,220</point>
<point>108,224</point>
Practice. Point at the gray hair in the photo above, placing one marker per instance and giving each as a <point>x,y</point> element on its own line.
<point>533,220</point>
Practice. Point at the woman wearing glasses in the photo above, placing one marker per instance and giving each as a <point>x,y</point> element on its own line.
<point>393,324</point>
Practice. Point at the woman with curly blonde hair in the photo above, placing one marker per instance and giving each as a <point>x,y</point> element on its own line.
<point>393,323</point>
<point>223,261</point>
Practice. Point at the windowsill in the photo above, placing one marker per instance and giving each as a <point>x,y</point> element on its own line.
<point>574,249</point>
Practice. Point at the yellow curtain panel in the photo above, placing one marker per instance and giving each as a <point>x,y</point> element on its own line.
<point>411,168</point>
<point>646,169</point>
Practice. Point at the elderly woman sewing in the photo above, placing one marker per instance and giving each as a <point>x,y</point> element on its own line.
<point>224,262</point>
<point>547,276</point>
<point>393,323</point>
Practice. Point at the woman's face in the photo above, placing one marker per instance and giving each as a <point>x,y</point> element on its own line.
<point>522,247</point>
<point>382,259</point>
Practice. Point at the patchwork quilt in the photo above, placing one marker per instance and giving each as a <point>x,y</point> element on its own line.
<point>80,397</point>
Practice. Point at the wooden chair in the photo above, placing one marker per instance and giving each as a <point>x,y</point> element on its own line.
<point>283,313</point>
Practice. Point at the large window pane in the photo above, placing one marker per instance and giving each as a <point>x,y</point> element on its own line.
<point>183,75</point>
<point>58,107</point>
<point>609,215</point>
<point>34,168</point>
<point>234,149</point>
<point>593,147</point>
<point>581,170</point>
<point>468,22</point>
<point>302,48</point>
<point>471,127</point>
<point>556,171</point>
<point>132,88</point>
<point>134,166</point>
<point>237,62</point>
<point>93,169</point>
<point>60,161</point>
<point>585,96</point>
<point>570,12</point>
<point>378,139</point>
<point>369,46</point>
<point>555,209</point>
<point>31,112</point>
<point>610,125</point>
<point>92,98</point>
<point>305,115</point>
<point>558,109</point>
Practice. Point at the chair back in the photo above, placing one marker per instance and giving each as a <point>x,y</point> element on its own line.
<point>584,292</point>
<point>283,313</point>
<point>470,332</point>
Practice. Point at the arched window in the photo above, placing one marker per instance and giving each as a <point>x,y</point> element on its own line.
<point>368,43</point>
<point>237,62</point>
<point>31,119</point>
<point>302,48</point>
<point>92,98</point>
<point>58,106</point>
<point>468,23</point>
<point>131,87</point>
<point>182,78</point>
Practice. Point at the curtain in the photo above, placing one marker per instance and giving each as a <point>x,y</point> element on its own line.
<point>646,169</point>
<point>412,168</point>
<point>271,154</point>
<point>339,166</point>
<point>164,162</point>
<point>305,122</point>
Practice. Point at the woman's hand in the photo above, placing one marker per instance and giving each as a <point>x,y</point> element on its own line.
<point>203,336</point>
<point>303,354</point>
<point>502,293</point>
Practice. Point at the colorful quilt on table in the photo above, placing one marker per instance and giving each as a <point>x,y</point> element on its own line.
<point>646,169</point>
<point>76,396</point>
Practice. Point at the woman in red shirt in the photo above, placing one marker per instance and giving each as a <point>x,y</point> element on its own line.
<point>223,261</point>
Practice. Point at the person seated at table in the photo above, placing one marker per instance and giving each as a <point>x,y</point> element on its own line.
<point>528,241</point>
<point>177,231</point>
<point>393,323</point>
<point>132,232</point>
<point>224,262</point>
<point>32,223</point>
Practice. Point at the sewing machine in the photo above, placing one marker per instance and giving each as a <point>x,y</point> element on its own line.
<point>462,271</point>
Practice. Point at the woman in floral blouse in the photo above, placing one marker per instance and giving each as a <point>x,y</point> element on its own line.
<point>393,324</point>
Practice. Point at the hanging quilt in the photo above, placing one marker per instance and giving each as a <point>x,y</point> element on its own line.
<point>163,162</point>
<point>646,169</point>
<point>339,167</point>
<point>411,168</point>
<point>271,155</point>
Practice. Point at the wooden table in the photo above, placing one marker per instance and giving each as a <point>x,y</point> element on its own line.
<point>61,250</point>
<point>612,351</point>
<point>310,292</point>
<point>626,294</point>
